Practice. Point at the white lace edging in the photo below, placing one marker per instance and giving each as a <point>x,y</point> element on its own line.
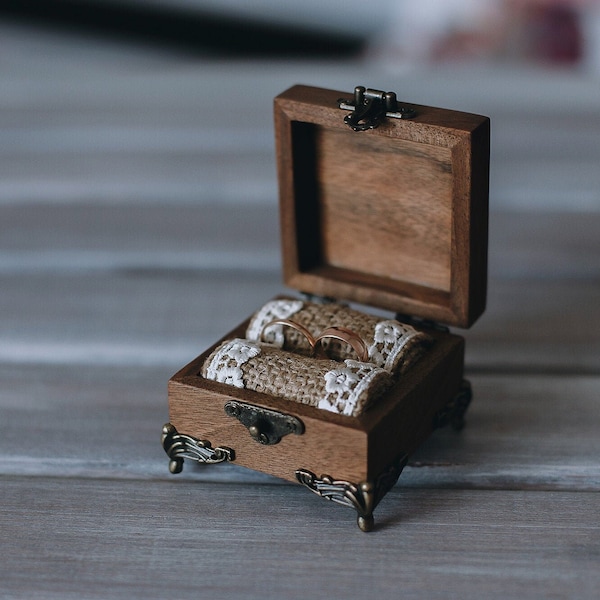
<point>389,339</point>
<point>275,309</point>
<point>345,386</point>
<point>224,366</point>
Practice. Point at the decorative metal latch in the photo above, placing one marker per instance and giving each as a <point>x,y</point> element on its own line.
<point>265,426</point>
<point>369,107</point>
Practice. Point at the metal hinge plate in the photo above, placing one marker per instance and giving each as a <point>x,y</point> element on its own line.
<point>369,107</point>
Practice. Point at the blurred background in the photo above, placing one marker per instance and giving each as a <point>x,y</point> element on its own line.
<point>518,61</point>
<point>136,138</point>
<point>398,32</point>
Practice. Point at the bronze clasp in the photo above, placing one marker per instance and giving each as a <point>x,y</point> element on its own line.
<point>265,426</point>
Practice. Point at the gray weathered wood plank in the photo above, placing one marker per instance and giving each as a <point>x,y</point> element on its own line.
<point>544,326</point>
<point>143,315</point>
<point>523,432</point>
<point>211,234</point>
<point>92,127</point>
<point>195,273</point>
<point>88,539</point>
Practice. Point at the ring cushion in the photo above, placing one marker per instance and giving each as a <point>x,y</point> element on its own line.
<point>280,365</point>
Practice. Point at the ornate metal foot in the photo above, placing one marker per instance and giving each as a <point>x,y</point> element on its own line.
<point>179,446</point>
<point>454,412</point>
<point>363,497</point>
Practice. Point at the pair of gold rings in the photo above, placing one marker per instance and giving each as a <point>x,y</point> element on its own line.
<point>342,334</point>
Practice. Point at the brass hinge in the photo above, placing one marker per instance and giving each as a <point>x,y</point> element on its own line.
<point>369,107</point>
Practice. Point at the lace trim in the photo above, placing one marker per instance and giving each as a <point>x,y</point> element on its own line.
<point>275,309</point>
<point>389,339</point>
<point>346,389</point>
<point>226,362</point>
<point>346,386</point>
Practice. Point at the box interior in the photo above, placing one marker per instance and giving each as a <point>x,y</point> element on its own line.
<point>373,207</point>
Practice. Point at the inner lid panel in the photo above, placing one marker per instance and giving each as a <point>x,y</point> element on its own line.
<point>373,204</point>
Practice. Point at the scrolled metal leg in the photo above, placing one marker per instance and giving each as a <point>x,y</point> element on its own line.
<point>365,519</point>
<point>362,497</point>
<point>179,446</point>
<point>454,411</point>
<point>365,523</point>
<point>462,400</point>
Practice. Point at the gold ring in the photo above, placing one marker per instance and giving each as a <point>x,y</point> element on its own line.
<point>288,323</point>
<point>344,334</point>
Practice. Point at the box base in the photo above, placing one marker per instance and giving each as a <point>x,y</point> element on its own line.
<point>363,496</point>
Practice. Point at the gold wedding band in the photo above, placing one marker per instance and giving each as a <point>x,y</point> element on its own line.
<point>344,334</point>
<point>289,323</point>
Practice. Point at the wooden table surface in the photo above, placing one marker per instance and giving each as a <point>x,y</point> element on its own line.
<point>138,223</point>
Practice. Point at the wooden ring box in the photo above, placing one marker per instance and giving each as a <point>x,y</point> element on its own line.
<point>393,216</point>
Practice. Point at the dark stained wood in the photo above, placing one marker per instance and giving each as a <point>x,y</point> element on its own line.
<point>395,217</point>
<point>401,205</point>
<point>356,449</point>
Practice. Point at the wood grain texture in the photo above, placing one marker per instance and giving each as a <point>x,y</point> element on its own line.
<point>360,179</point>
<point>78,236</point>
<point>106,538</point>
<point>109,296</point>
<point>522,432</point>
<point>355,449</point>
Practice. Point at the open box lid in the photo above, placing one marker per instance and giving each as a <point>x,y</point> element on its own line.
<point>394,216</point>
